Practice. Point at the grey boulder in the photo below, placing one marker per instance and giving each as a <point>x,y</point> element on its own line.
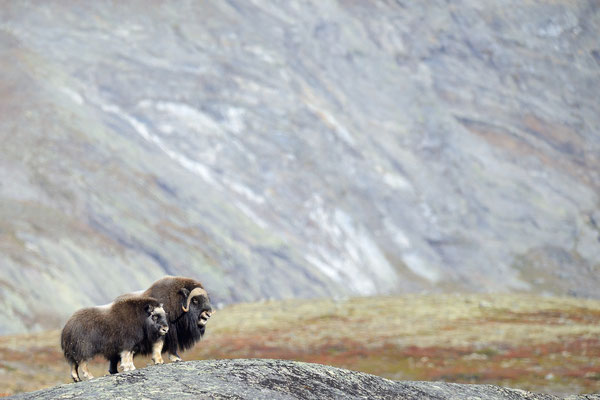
<point>268,379</point>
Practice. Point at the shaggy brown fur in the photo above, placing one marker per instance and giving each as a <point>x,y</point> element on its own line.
<point>188,309</point>
<point>115,331</point>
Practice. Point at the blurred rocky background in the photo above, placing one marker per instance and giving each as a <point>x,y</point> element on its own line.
<point>284,149</point>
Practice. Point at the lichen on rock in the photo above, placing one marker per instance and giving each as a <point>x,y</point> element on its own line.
<point>267,379</point>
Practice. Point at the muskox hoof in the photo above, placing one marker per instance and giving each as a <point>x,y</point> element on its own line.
<point>127,368</point>
<point>174,358</point>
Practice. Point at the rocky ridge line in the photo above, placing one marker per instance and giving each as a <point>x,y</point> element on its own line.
<point>269,379</point>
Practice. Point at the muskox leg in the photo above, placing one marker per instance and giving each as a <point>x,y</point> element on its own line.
<point>156,352</point>
<point>74,373</point>
<point>112,366</point>
<point>86,372</point>
<point>172,343</point>
<point>127,360</point>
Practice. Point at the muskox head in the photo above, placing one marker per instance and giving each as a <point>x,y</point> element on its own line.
<point>157,319</point>
<point>196,305</point>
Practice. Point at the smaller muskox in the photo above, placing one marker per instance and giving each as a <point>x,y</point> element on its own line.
<point>114,331</point>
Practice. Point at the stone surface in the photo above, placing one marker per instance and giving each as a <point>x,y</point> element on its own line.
<point>269,379</point>
<point>296,149</point>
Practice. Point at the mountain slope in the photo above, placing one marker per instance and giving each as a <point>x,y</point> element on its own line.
<point>296,149</point>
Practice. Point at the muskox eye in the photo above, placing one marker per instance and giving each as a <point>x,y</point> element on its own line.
<point>155,318</point>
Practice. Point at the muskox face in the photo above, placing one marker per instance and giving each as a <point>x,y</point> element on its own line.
<point>197,305</point>
<point>157,319</point>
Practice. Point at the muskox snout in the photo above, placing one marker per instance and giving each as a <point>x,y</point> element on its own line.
<point>204,317</point>
<point>163,330</point>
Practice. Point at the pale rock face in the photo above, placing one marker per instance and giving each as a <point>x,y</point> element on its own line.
<point>269,379</point>
<point>304,148</point>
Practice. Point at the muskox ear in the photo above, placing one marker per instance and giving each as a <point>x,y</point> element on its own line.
<point>149,308</point>
<point>184,292</point>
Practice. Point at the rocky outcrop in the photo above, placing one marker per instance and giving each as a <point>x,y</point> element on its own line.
<point>296,149</point>
<point>268,379</point>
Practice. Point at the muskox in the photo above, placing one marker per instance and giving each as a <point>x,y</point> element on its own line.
<point>188,309</point>
<point>114,331</point>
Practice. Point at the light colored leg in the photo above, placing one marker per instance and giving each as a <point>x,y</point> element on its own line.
<point>74,373</point>
<point>131,364</point>
<point>127,361</point>
<point>156,352</point>
<point>174,357</point>
<point>86,372</point>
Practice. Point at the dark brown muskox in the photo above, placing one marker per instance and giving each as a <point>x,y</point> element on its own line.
<point>188,309</point>
<point>115,331</point>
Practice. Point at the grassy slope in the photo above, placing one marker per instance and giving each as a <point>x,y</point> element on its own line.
<point>541,344</point>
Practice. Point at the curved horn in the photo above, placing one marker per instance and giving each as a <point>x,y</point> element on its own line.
<point>197,291</point>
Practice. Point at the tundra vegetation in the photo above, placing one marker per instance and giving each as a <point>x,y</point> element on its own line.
<point>521,341</point>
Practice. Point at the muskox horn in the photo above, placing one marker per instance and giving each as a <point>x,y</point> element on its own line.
<point>197,291</point>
